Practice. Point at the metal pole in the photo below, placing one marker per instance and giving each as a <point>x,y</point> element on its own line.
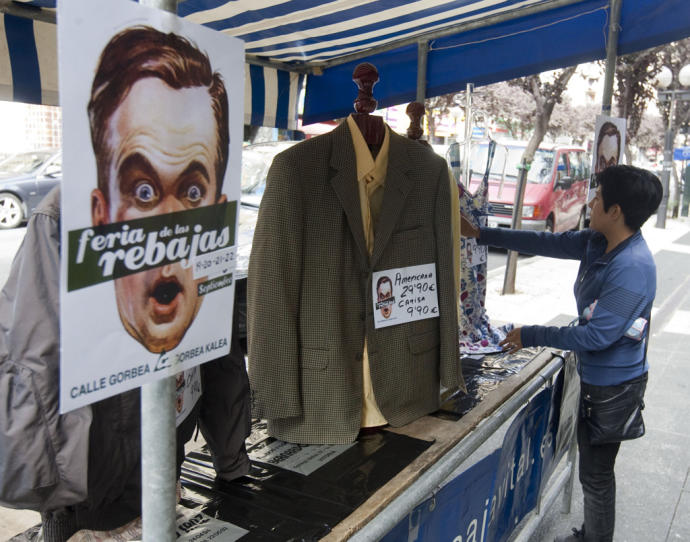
<point>158,460</point>
<point>428,482</point>
<point>468,134</point>
<point>511,263</point>
<point>611,54</point>
<point>158,446</point>
<point>422,53</point>
<point>668,161</point>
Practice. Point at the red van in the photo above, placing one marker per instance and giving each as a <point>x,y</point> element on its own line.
<point>556,189</point>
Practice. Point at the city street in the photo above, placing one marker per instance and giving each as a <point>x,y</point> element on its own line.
<point>653,473</point>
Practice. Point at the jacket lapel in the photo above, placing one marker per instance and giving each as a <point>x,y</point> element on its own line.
<point>344,182</point>
<point>398,186</point>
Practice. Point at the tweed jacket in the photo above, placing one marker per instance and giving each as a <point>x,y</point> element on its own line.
<point>310,299</point>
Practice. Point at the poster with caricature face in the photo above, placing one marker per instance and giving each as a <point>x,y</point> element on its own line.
<point>609,146</point>
<point>152,109</point>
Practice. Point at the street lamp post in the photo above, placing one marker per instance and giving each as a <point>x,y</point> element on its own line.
<point>664,80</point>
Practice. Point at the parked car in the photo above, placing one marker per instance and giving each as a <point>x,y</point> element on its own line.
<point>256,160</point>
<point>555,193</point>
<point>24,179</point>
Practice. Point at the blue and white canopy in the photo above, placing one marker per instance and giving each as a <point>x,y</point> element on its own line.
<point>466,41</point>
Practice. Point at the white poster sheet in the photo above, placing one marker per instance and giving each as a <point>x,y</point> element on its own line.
<point>404,295</point>
<point>609,147</point>
<point>301,458</point>
<point>195,526</point>
<point>152,110</point>
<point>187,393</point>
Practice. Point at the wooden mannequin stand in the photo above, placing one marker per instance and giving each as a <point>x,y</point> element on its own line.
<point>365,76</point>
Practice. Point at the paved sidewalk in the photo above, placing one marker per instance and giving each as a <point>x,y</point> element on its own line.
<point>652,472</point>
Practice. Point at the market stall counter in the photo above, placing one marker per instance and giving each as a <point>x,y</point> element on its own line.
<point>408,481</point>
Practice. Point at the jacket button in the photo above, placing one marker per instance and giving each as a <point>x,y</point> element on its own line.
<point>362,315</point>
<point>359,357</point>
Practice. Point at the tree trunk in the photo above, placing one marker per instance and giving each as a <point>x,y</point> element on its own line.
<point>675,205</point>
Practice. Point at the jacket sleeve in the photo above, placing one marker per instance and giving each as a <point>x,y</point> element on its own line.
<point>622,300</point>
<point>567,245</point>
<point>43,455</point>
<point>450,367</point>
<point>273,290</point>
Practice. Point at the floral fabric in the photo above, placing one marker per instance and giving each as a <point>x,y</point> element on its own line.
<point>477,335</point>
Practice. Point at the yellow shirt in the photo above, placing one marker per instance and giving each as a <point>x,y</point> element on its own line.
<point>371,179</point>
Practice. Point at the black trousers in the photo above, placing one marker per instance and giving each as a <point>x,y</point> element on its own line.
<point>598,485</point>
<point>597,462</point>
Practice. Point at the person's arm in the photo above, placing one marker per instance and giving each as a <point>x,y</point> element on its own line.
<point>621,302</point>
<point>568,245</point>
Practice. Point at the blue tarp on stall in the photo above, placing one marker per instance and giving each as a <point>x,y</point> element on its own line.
<point>485,41</point>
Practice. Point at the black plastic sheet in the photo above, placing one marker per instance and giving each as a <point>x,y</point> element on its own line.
<point>273,503</point>
<point>482,376</point>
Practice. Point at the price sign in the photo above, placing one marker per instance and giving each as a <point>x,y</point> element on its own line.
<point>404,295</point>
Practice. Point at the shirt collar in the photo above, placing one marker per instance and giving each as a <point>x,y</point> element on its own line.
<point>366,165</point>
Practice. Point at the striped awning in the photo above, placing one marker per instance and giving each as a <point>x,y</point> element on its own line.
<point>271,96</point>
<point>465,41</point>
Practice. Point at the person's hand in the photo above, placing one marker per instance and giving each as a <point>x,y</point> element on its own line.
<point>467,229</point>
<point>513,342</point>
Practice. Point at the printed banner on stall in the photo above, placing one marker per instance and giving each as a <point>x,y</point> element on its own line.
<point>518,476</point>
<point>459,512</point>
<point>152,117</point>
<point>486,501</point>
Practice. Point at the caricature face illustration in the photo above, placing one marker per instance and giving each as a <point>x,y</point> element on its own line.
<point>158,139</point>
<point>384,293</point>
<point>160,164</point>
<point>608,147</point>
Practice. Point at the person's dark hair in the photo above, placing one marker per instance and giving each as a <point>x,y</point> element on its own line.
<point>637,191</point>
<point>609,129</point>
<point>140,52</point>
<point>381,281</point>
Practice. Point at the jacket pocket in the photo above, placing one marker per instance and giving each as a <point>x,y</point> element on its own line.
<point>28,469</point>
<point>315,359</point>
<point>424,341</point>
<point>405,236</point>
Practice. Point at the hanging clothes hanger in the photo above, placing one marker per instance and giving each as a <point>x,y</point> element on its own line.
<point>373,129</point>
